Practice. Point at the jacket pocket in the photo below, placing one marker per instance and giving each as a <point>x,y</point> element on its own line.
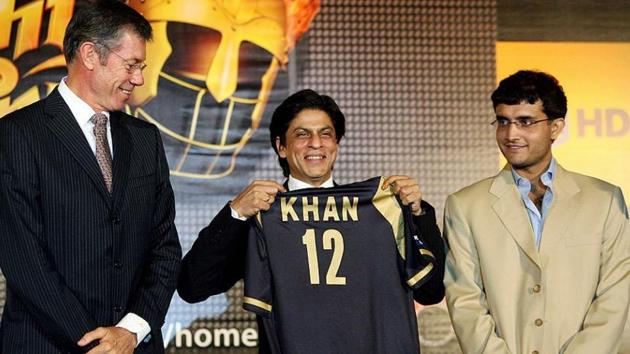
<point>141,181</point>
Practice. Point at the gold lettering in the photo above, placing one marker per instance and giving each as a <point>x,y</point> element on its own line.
<point>9,76</point>
<point>308,240</point>
<point>59,19</point>
<point>350,209</point>
<point>330,212</point>
<point>332,240</point>
<point>286,208</point>
<point>30,21</point>
<point>28,97</point>
<point>310,208</point>
<point>332,236</point>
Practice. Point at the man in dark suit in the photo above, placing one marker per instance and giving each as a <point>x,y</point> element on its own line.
<point>87,240</point>
<point>305,131</point>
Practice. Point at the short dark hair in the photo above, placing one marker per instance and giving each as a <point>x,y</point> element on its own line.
<point>291,107</point>
<point>102,22</point>
<point>531,86</point>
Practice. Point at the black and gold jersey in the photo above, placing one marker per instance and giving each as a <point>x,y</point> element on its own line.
<point>332,270</point>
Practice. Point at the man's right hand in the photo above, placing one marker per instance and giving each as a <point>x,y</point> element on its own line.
<point>112,340</point>
<point>258,196</point>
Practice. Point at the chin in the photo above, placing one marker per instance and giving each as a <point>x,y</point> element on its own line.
<point>118,107</point>
<point>519,166</point>
<point>512,161</point>
<point>318,176</point>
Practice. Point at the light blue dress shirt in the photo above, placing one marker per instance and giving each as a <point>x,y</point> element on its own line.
<point>536,218</point>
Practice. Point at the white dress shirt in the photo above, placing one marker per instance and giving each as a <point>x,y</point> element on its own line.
<point>83,113</point>
<point>294,185</point>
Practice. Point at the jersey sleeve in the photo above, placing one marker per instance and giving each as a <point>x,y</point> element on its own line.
<point>258,285</point>
<point>419,260</point>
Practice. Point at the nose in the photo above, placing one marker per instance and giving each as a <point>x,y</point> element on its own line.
<point>511,131</point>
<point>137,78</point>
<point>315,141</point>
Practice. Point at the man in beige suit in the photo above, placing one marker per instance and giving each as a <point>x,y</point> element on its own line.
<point>539,257</point>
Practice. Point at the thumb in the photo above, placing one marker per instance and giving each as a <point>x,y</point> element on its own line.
<point>91,336</point>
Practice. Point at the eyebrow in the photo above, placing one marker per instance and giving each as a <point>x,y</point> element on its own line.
<point>316,129</point>
<point>135,60</point>
<point>519,117</point>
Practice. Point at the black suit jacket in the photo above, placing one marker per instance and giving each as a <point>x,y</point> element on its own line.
<point>217,260</point>
<point>74,256</point>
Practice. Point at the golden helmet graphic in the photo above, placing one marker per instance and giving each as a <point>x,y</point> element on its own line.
<point>211,68</point>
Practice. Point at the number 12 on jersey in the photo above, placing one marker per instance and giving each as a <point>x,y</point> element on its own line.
<point>332,240</point>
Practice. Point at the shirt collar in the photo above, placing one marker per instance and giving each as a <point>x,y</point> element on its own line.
<point>81,111</point>
<point>546,178</point>
<point>295,184</point>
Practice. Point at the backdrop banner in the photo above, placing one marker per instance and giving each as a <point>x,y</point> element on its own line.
<point>412,76</point>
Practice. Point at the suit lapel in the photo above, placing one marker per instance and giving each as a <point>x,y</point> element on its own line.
<point>562,211</point>
<point>123,147</point>
<point>63,124</point>
<point>511,211</point>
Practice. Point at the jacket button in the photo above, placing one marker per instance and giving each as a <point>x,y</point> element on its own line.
<point>117,308</point>
<point>537,288</point>
<point>117,264</point>
<point>538,322</point>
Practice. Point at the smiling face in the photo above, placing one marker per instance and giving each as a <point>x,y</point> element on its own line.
<point>112,83</point>
<point>310,146</point>
<point>527,149</point>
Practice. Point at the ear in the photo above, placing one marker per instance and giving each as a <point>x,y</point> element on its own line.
<point>556,128</point>
<point>88,56</point>
<point>281,149</point>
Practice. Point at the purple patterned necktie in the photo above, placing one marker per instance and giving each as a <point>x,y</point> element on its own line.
<point>103,155</point>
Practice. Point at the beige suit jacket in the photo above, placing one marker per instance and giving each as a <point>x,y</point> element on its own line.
<point>571,296</point>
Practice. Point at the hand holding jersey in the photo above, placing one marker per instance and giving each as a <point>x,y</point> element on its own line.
<point>260,194</point>
<point>408,190</point>
<point>256,197</point>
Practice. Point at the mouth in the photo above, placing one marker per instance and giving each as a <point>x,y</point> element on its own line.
<point>314,157</point>
<point>125,91</point>
<point>514,147</point>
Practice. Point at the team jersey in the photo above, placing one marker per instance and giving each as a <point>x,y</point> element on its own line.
<point>331,270</point>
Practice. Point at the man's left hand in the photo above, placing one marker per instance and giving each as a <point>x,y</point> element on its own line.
<point>407,189</point>
<point>112,340</point>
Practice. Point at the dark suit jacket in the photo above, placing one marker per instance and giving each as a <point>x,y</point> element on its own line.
<point>74,257</point>
<point>217,260</point>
